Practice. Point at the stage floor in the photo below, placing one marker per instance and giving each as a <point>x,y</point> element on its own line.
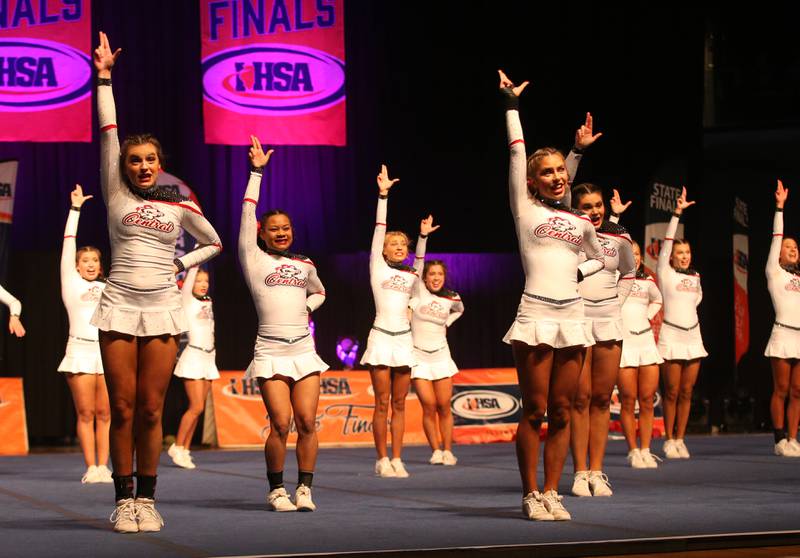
<point>733,485</point>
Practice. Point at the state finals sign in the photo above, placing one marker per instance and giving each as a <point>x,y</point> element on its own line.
<point>45,70</point>
<point>274,69</point>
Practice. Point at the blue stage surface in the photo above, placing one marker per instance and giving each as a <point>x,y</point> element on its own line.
<point>732,492</point>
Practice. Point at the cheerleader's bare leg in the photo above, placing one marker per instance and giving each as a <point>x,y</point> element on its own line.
<point>82,387</point>
<point>648,384</point>
<point>534,366</point>
<point>401,382</point>
<point>426,394</point>
<point>793,410</point>
<point>579,426</point>
<point>156,360</point>
<point>671,372</point>
<point>102,418</point>
<point>120,359</point>
<point>196,392</point>
<point>687,380</point>
<point>382,387</point>
<point>276,394</point>
<point>305,399</point>
<point>444,393</point>
<point>567,364</point>
<point>628,393</point>
<point>781,372</point>
<point>605,367</point>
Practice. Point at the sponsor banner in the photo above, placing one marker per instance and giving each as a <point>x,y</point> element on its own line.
<point>661,201</point>
<point>741,258</point>
<point>486,405</point>
<point>8,181</point>
<point>46,70</point>
<point>13,430</point>
<point>273,68</point>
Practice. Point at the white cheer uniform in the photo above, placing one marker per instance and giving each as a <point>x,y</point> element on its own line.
<point>604,292</point>
<point>285,288</point>
<point>679,338</point>
<point>14,305</point>
<point>550,241</point>
<point>784,289</point>
<point>390,342</point>
<point>432,314</point>
<point>80,298</point>
<point>198,359</point>
<point>141,297</point>
<point>638,344</point>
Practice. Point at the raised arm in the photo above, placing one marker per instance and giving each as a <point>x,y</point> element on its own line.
<point>773,260</point>
<point>426,227</point>
<point>104,60</point>
<point>654,296</point>
<point>315,291</point>
<point>248,247</point>
<point>456,312</point>
<point>517,162</point>
<point>379,235</point>
<point>617,206</point>
<point>68,248</point>
<point>595,261</point>
<point>584,137</point>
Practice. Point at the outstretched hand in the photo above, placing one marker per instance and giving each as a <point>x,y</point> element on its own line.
<point>780,195</point>
<point>506,83</point>
<point>384,182</point>
<point>682,202</point>
<point>77,198</point>
<point>426,226</point>
<point>15,326</point>
<point>616,203</point>
<point>104,57</point>
<point>584,136</point>
<point>258,159</point>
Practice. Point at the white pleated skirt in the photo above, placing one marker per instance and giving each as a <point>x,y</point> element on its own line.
<point>389,350</point>
<point>81,357</point>
<point>784,342</point>
<point>142,314</point>
<point>639,350</point>
<point>282,358</point>
<point>433,366</point>
<point>678,344</point>
<point>540,323</point>
<point>197,364</point>
<point>606,322</point>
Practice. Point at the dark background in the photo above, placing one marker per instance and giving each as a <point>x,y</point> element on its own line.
<point>422,97</point>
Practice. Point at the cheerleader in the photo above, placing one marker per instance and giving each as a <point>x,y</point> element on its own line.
<point>140,315</point>
<point>434,309</point>
<point>196,366</point>
<point>390,348</point>
<point>603,295</point>
<point>550,333</point>
<point>15,308</point>
<point>286,290</point>
<point>680,342</point>
<point>81,286</point>
<point>783,349</point>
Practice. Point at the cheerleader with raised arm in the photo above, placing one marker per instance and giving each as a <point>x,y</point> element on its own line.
<point>550,333</point>
<point>197,365</point>
<point>82,283</point>
<point>680,341</point>
<point>286,289</point>
<point>390,347</point>
<point>140,315</point>
<point>783,349</point>
<point>434,309</point>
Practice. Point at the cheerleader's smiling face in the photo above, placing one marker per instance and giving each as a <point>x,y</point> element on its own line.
<point>434,278</point>
<point>592,206</point>
<point>395,247</point>
<point>142,165</point>
<point>277,232</point>
<point>88,265</point>
<point>789,254</point>
<point>681,255</point>
<point>550,177</point>
<point>200,287</point>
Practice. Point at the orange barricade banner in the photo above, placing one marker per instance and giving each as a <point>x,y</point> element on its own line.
<point>13,429</point>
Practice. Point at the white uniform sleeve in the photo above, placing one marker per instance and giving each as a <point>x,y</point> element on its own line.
<point>14,305</point>
<point>315,290</point>
<point>419,255</point>
<point>199,227</point>
<point>188,286</point>
<point>572,162</point>
<point>455,313</point>
<point>376,252</point>
<point>595,260</point>
<point>626,268</point>
<point>517,164</point>
<point>666,247</point>
<point>655,300</point>
<point>68,249</point>
<point>614,219</point>
<point>248,247</point>
<point>773,259</point>
<point>110,179</point>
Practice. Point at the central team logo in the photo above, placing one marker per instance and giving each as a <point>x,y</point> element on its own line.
<point>559,229</point>
<point>91,295</point>
<point>793,285</point>
<point>637,290</point>
<point>206,313</point>
<point>688,285</point>
<point>147,216</point>
<point>397,283</point>
<point>286,275</point>
<point>609,249</point>
<point>434,309</point>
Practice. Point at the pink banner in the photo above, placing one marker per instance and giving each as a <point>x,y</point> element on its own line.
<point>274,69</point>
<point>45,70</point>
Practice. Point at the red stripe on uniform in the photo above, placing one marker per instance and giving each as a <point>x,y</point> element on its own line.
<point>189,207</point>
<point>70,236</point>
<point>669,239</point>
<point>777,234</point>
<point>513,143</point>
<point>251,200</point>
<point>380,224</point>
<point>107,128</point>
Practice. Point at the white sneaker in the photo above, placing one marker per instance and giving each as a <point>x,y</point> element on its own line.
<point>792,448</point>
<point>534,509</point>
<point>383,468</point>
<point>580,486</point>
<point>399,468</point>
<point>174,450</point>
<point>147,516</point>
<point>187,460</point>
<point>437,458</point>
<point>683,451</point>
<point>91,475</point>
<point>302,499</point>
<point>635,459</point>
<point>650,461</point>
<point>124,517</point>
<point>598,482</point>
<point>180,457</point>
<point>279,501</point>
<point>104,474</point>
<point>448,459</point>
<point>671,450</point>
<point>780,447</point>
<point>552,503</point>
